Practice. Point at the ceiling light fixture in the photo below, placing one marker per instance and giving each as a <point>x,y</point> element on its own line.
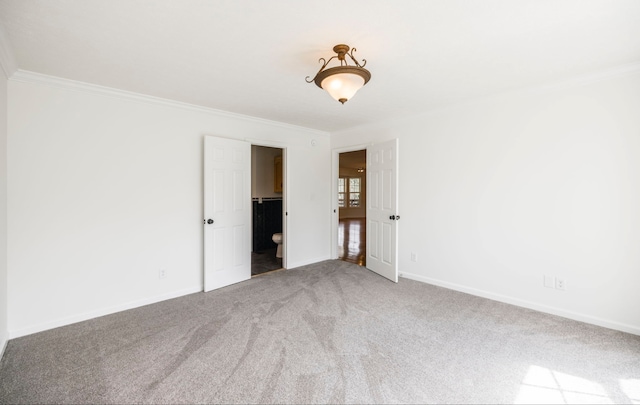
<point>342,82</point>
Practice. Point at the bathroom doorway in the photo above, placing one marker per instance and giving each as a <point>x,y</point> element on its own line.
<point>352,206</point>
<point>267,207</point>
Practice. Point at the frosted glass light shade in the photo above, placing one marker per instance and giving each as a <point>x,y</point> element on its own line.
<point>342,82</point>
<point>342,86</point>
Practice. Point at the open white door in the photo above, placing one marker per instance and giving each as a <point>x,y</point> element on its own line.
<point>382,203</point>
<point>227,212</point>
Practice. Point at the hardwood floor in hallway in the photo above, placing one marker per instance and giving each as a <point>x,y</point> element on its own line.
<point>352,242</point>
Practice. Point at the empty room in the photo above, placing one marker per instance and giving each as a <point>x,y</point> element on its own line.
<point>481,248</point>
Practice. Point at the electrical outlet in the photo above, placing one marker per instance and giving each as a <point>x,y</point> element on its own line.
<point>414,257</point>
<point>561,284</point>
<point>162,273</point>
<point>549,281</point>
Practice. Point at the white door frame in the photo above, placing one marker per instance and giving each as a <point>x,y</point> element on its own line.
<point>335,175</point>
<point>285,194</point>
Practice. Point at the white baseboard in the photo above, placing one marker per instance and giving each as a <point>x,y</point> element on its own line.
<point>526,304</point>
<point>16,333</point>
<point>102,312</point>
<point>5,340</point>
<point>307,262</point>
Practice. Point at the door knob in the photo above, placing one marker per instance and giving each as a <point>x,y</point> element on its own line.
<point>392,217</point>
<point>209,221</point>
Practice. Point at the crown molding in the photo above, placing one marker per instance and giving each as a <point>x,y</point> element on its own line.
<point>7,57</point>
<point>586,79</point>
<point>558,85</point>
<point>23,76</point>
<point>548,88</point>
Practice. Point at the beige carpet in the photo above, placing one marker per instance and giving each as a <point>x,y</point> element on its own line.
<point>331,332</point>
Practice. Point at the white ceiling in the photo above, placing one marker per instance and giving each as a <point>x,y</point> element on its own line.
<point>252,56</point>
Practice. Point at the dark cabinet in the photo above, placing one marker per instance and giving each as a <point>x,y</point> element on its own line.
<point>267,220</point>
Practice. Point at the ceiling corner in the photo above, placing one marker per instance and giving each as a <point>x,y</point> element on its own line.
<point>7,57</point>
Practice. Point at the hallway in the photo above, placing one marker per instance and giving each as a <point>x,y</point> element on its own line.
<point>352,242</point>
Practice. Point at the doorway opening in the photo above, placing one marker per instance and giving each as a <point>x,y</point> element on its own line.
<point>352,207</point>
<point>267,190</point>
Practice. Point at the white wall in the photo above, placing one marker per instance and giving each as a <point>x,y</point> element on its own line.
<point>498,193</point>
<point>104,190</point>
<point>263,171</point>
<point>4,329</point>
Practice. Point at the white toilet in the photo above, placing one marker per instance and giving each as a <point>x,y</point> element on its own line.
<point>277,238</point>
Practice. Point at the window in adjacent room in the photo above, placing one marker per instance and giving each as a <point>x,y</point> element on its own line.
<point>349,192</point>
<point>341,192</point>
<point>354,192</point>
